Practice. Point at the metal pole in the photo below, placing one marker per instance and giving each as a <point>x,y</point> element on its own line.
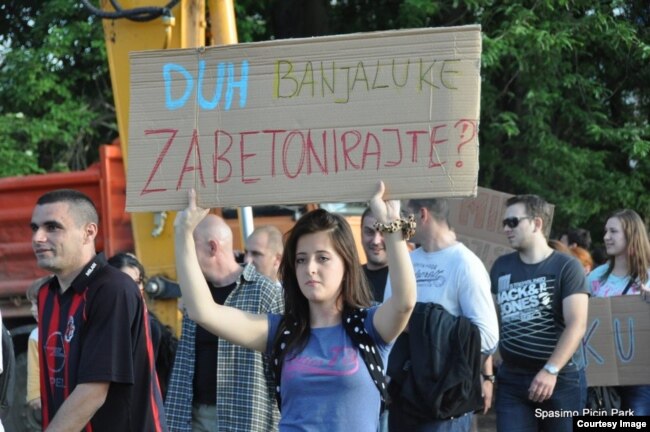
<point>224,32</point>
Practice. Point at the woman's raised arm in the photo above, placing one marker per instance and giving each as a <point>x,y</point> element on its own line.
<point>393,315</point>
<point>241,328</point>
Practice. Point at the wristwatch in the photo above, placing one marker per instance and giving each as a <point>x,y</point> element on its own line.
<point>551,369</point>
<point>490,378</point>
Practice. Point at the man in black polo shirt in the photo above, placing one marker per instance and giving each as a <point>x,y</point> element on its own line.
<point>96,358</point>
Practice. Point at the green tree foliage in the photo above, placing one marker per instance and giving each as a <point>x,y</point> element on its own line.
<point>565,105</point>
<point>565,93</point>
<point>56,104</point>
<point>565,96</point>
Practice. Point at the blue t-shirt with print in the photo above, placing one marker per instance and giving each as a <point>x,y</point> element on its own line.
<point>612,285</point>
<point>327,386</point>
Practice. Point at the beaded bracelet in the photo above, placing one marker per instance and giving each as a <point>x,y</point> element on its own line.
<point>407,226</point>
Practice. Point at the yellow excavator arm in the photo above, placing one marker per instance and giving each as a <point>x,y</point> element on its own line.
<point>136,25</point>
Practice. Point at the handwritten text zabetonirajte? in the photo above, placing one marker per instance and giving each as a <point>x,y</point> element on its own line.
<point>292,154</point>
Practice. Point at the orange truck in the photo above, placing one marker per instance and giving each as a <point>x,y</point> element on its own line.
<point>150,235</point>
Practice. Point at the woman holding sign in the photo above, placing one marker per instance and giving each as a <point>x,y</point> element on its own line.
<point>329,347</point>
<point>627,272</point>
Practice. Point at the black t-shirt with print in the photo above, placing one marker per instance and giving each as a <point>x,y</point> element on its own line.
<point>529,298</point>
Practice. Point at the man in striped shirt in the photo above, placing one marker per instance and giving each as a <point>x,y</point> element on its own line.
<point>96,359</point>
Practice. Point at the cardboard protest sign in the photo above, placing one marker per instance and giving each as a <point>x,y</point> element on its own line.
<point>306,120</point>
<point>616,342</point>
<point>478,224</point>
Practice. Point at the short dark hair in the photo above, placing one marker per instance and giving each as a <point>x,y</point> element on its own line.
<point>580,237</point>
<point>367,212</point>
<point>85,210</point>
<point>438,207</point>
<point>535,206</point>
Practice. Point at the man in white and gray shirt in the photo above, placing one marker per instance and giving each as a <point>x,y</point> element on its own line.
<point>451,275</point>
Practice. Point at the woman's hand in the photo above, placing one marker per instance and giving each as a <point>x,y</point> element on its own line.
<point>384,211</point>
<point>393,314</point>
<point>189,218</point>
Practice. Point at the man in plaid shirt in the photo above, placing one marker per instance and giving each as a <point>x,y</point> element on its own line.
<point>215,385</point>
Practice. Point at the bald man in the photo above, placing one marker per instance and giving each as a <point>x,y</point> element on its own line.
<point>264,250</point>
<point>215,385</point>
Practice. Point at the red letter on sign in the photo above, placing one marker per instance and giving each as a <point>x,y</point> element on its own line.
<point>194,143</point>
<point>435,161</point>
<point>274,132</point>
<point>161,156</point>
<point>220,157</point>
<point>399,146</point>
<point>348,149</point>
<point>245,156</point>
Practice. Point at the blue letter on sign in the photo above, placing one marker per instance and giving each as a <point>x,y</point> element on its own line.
<point>625,357</point>
<point>212,104</point>
<point>170,103</point>
<point>588,348</point>
<point>242,84</point>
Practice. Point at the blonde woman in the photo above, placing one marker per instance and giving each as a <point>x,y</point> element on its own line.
<point>627,272</point>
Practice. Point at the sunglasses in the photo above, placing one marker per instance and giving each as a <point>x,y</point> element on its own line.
<point>513,222</point>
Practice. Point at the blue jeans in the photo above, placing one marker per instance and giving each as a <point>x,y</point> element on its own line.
<point>517,413</point>
<point>636,398</point>
<point>399,422</point>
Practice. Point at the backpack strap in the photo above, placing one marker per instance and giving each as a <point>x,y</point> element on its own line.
<point>353,322</point>
<point>627,287</point>
<point>278,350</point>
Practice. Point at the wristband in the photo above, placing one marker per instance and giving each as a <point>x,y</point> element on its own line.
<point>407,226</point>
<point>551,369</point>
<point>490,378</point>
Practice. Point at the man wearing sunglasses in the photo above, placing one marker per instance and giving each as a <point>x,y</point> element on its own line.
<point>451,275</point>
<point>542,298</point>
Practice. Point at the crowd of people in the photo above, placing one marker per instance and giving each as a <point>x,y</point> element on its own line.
<point>302,337</point>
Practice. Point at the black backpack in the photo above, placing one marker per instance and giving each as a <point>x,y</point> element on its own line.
<point>7,377</point>
<point>435,368</point>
